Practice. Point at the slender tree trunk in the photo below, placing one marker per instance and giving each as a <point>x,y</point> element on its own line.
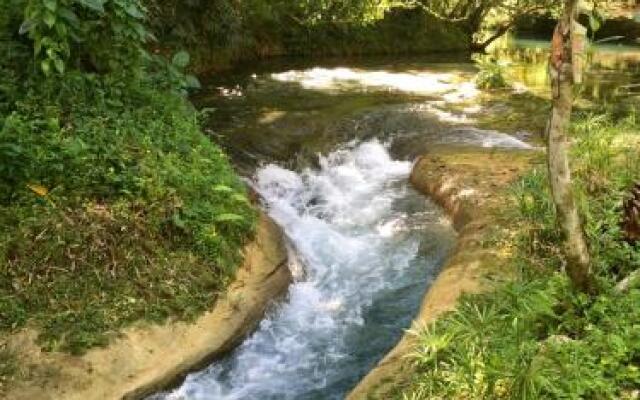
<point>578,265</point>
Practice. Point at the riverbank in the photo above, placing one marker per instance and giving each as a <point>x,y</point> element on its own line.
<point>147,358</point>
<point>284,32</point>
<point>111,214</point>
<point>532,335</point>
<point>617,27</point>
<point>470,184</point>
<point>115,208</point>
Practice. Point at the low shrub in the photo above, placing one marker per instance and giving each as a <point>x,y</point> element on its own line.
<point>491,73</point>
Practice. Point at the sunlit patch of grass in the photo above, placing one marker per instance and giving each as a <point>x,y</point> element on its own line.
<point>535,337</point>
<point>491,73</point>
<point>529,341</point>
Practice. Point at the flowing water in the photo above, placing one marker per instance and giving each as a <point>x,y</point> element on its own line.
<point>329,148</point>
<point>365,248</point>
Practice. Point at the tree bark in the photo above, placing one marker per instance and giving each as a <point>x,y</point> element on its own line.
<point>478,47</point>
<point>578,264</point>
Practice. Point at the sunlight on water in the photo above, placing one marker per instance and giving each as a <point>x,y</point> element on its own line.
<point>612,71</point>
<point>415,82</point>
<point>484,138</point>
<point>357,242</point>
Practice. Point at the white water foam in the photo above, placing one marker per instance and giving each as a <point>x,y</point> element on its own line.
<point>415,82</point>
<point>342,222</point>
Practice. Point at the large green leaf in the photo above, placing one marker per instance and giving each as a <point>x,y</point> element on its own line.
<point>59,64</point>
<point>68,15</point>
<point>45,65</point>
<point>51,5</point>
<point>49,19</point>
<point>181,59</point>
<point>134,11</point>
<point>95,5</point>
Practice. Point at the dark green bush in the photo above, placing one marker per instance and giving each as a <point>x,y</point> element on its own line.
<point>221,32</point>
<point>97,35</point>
<point>117,188</point>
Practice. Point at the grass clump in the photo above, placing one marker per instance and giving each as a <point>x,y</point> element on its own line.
<point>114,208</point>
<point>532,340</point>
<point>491,73</point>
<point>535,338</point>
<point>8,367</point>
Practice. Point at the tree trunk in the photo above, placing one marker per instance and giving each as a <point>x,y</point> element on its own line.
<point>578,265</point>
<point>479,47</point>
<point>631,215</point>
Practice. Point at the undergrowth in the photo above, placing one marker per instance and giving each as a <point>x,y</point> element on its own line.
<point>225,32</point>
<point>491,73</point>
<point>535,338</point>
<point>114,206</point>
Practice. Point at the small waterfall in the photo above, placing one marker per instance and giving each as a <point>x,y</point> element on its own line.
<point>368,244</point>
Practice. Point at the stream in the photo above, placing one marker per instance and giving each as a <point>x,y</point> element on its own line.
<point>366,246</point>
<point>329,147</point>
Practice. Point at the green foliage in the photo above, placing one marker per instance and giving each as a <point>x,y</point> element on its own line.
<point>14,56</point>
<point>173,76</point>
<point>221,32</point>
<point>473,13</point>
<point>108,207</point>
<point>606,164</point>
<point>99,35</point>
<point>314,11</point>
<point>537,213</point>
<point>401,31</point>
<point>536,338</point>
<point>194,23</point>
<point>491,73</point>
<point>10,18</point>
<point>531,340</point>
<point>109,211</point>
